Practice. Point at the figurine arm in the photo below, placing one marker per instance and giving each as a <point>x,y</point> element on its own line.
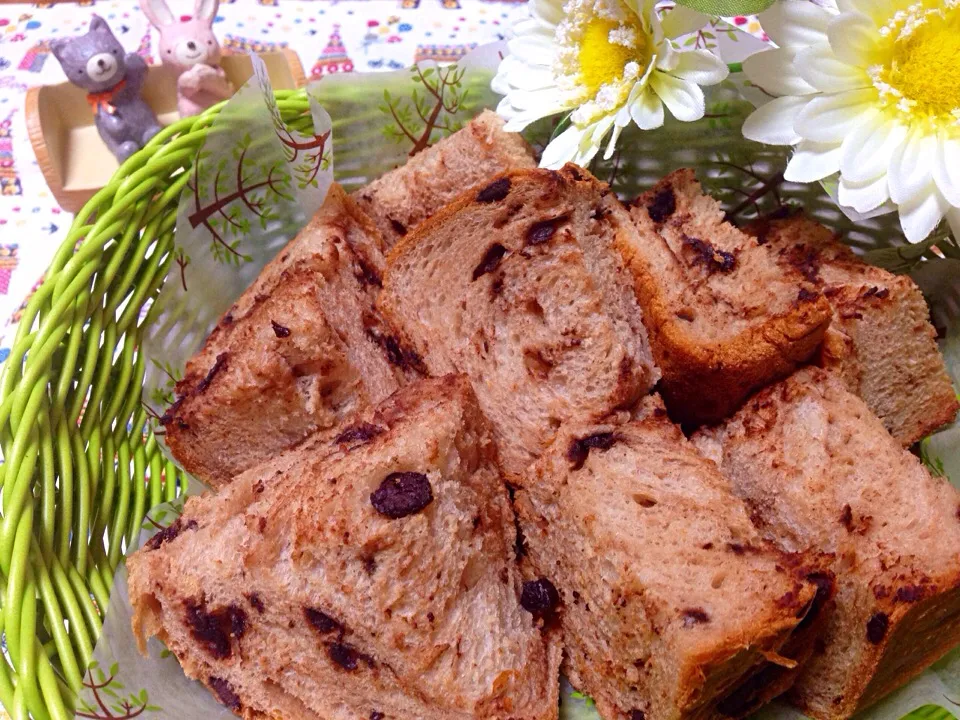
<point>136,71</point>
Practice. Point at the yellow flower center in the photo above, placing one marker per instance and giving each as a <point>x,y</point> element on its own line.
<point>927,65</point>
<point>601,61</point>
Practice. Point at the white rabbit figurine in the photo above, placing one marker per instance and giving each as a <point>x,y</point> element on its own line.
<point>191,48</point>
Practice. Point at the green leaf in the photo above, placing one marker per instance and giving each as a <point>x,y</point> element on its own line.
<point>727,7</point>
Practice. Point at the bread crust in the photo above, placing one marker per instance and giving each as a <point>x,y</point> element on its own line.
<point>705,379</point>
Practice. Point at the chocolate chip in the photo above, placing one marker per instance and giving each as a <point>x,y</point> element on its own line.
<point>824,583</point>
<point>396,354</point>
<point>806,295</point>
<point>877,627</point>
<point>539,597</point>
<point>218,366</point>
<point>376,715</point>
<point>398,227</point>
<point>170,533</point>
<point>490,261</point>
<point>910,593</point>
<point>323,623</point>
<point>694,616</point>
<point>279,330</point>
<point>347,656</point>
<point>360,433</point>
<point>637,715</point>
<point>225,693</point>
<point>663,206</point>
<point>542,231</point>
<point>580,448</point>
<point>707,255</point>
<point>367,275</point>
<point>215,630</point>
<point>256,602</point>
<point>846,518</point>
<point>401,494</point>
<point>495,191</point>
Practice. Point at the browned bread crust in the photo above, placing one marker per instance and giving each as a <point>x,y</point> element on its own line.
<point>321,586</point>
<point>723,318</point>
<point>302,349</point>
<point>517,285</point>
<point>886,349</point>
<point>673,606</point>
<point>403,198</point>
<point>820,472</point>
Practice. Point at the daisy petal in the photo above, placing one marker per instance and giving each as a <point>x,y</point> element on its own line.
<point>682,20</point>
<point>910,174</point>
<point>819,67</point>
<point>863,197</point>
<point>647,111</point>
<point>532,26</point>
<point>773,123</point>
<point>796,23</point>
<point>868,8</point>
<point>562,149</point>
<point>853,39</point>
<point>547,11</point>
<point>701,67</point>
<point>532,49</point>
<point>514,74</point>
<point>921,217</point>
<point>683,99</point>
<point>612,145</point>
<point>830,118</point>
<point>867,149</point>
<point>946,171</point>
<point>667,58</point>
<point>775,72</point>
<point>813,161</point>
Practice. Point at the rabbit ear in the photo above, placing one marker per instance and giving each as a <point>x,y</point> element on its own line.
<point>205,10</point>
<point>157,12</point>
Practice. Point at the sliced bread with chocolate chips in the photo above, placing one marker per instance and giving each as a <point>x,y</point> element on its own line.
<point>671,604</point>
<point>820,473</point>
<point>302,349</point>
<point>724,319</point>
<point>887,349</point>
<point>518,286</point>
<point>368,573</point>
<point>405,197</point>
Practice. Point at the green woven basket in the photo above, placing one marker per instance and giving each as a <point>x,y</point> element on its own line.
<point>82,465</point>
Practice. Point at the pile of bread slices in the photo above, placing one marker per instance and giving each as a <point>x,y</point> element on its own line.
<point>481,422</point>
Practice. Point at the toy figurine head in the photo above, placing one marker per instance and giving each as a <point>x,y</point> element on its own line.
<point>94,61</point>
<point>184,43</point>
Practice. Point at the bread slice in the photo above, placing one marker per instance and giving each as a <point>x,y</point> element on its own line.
<point>671,604</point>
<point>518,286</point>
<point>820,472</point>
<point>723,318</point>
<point>400,200</point>
<point>302,349</point>
<point>368,573</point>
<point>887,350</point>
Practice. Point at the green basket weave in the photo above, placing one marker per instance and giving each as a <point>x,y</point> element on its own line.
<point>82,465</point>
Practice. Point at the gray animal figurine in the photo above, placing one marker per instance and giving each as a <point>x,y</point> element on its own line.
<point>113,80</point>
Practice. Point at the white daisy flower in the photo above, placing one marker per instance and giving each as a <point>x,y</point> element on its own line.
<point>870,90</point>
<point>610,62</point>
